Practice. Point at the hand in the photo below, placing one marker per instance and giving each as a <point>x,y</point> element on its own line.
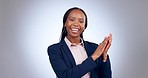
<point>100,49</point>
<point>107,47</point>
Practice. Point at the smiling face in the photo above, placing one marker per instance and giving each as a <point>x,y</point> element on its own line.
<point>75,23</point>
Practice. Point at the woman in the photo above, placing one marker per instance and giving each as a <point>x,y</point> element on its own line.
<point>73,57</point>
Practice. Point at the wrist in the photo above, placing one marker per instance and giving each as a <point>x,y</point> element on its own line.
<point>104,57</point>
<point>94,57</point>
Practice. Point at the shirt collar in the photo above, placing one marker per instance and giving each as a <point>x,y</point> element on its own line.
<point>73,44</point>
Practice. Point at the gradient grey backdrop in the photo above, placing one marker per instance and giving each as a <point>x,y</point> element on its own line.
<point>28,27</point>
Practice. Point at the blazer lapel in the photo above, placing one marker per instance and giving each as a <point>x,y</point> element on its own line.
<point>68,52</point>
<point>87,48</point>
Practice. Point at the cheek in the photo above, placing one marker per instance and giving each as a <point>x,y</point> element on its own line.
<point>82,28</point>
<point>67,24</point>
<point>67,28</point>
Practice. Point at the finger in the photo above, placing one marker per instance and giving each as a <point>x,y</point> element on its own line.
<point>109,41</point>
<point>110,34</point>
<point>107,48</point>
<point>102,45</point>
<point>105,39</point>
<point>110,38</point>
<point>108,45</point>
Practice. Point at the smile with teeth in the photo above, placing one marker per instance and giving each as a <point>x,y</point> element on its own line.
<point>75,30</point>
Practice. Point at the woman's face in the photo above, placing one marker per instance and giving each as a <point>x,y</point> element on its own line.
<point>75,23</point>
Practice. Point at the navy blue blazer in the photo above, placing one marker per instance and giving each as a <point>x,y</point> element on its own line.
<point>64,65</point>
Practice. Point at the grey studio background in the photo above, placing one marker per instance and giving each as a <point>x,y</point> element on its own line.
<point>28,27</point>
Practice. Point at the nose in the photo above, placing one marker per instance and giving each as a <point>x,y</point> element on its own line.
<point>76,23</point>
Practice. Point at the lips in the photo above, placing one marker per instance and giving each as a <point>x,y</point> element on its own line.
<point>75,30</point>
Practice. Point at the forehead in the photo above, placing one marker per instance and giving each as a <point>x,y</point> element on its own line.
<point>76,13</point>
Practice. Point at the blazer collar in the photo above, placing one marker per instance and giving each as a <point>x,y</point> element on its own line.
<point>69,54</point>
<point>87,48</point>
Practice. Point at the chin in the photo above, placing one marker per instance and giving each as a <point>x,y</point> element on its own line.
<point>75,35</point>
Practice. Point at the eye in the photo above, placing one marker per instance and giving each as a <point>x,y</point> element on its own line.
<point>81,21</point>
<point>71,19</point>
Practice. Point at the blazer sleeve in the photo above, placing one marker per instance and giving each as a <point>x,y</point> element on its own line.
<point>62,70</point>
<point>105,68</point>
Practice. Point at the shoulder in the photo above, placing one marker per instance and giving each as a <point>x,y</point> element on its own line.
<point>54,46</point>
<point>53,49</point>
<point>89,44</point>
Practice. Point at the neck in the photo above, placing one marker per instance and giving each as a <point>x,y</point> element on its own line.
<point>73,40</point>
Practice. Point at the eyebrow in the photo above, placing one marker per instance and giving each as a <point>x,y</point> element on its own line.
<point>78,18</point>
<point>71,17</point>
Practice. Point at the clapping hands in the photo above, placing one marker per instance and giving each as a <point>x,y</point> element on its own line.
<point>103,48</point>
